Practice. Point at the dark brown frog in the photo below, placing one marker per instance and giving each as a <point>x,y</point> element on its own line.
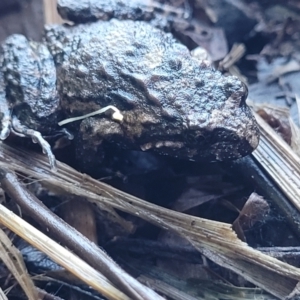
<point>170,102</point>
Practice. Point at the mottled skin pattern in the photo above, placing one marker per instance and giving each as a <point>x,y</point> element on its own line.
<point>172,104</point>
<point>30,78</point>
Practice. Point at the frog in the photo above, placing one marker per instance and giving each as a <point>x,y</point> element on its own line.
<point>168,101</point>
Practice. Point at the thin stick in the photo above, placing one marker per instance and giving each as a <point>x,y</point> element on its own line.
<point>59,254</point>
<point>74,239</point>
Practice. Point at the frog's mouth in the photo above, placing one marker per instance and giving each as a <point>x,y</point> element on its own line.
<point>205,145</point>
<point>234,123</point>
<point>227,134</point>
<point>219,133</point>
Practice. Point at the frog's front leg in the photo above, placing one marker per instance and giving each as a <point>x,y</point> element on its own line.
<point>29,101</point>
<point>23,131</point>
<point>5,112</point>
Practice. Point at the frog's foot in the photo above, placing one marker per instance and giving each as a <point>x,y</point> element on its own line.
<point>6,127</point>
<point>69,135</point>
<point>23,131</point>
<point>62,138</point>
<point>62,133</point>
<point>5,115</point>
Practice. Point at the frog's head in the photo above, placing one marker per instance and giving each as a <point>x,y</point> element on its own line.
<point>222,127</point>
<point>205,117</point>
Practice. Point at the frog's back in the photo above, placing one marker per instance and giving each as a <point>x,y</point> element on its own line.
<point>115,62</point>
<point>156,83</point>
<point>130,63</point>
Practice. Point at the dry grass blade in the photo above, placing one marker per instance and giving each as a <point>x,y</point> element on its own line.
<point>279,161</point>
<point>209,290</point>
<point>2,295</point>
<point>235,54</point>
<point>50,12</point>
<point>73,239</point>
<point>216,240</point>
<point>166,289</point>
<point>295,140</point>
<point>13,260</point>
<point>59,254</point>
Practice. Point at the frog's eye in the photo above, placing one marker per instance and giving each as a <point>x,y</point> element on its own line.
<point>245,93</point>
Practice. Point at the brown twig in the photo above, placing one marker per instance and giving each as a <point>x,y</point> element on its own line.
<point>73,239</point>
